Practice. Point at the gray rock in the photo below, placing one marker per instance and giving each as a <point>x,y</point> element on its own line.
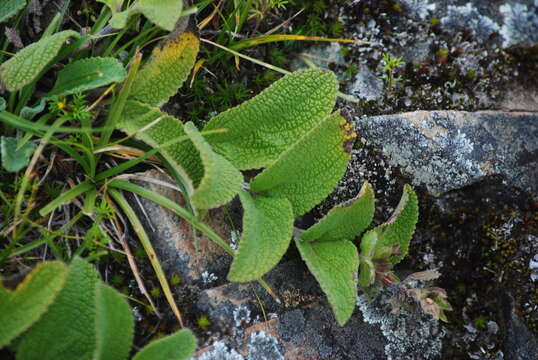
<point>447,150</point>
<point>366,85</point>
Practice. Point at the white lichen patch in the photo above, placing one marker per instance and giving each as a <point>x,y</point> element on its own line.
<point>220,351</point>
<point>263,346</point>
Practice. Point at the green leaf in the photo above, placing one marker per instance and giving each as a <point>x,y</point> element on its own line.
<point>260,129</point>
<point>334,264</point>
<point>27,64</point>
<point>182,155</point>
<point>3,104</point>
<point>221,180</point>
<point>307,172</point>
<point>114,325</point>
<point>9,8</point>
<point>14,159</point>
<point>113,5</point>
<point>179,346</point>
<point>88,74</point>
<point>73,312</point>
<point>346,221</point>
<point>267,231</point>
<point>24,306</point>
<point>399,229</point>
<point>366,273</point>
<point>166,70</point>
<point>163,13</point>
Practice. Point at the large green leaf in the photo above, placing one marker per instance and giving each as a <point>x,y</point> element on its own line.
<point>267,230</point>
<point>114,325</point>
<point>13,158</point>
<point>399,229</point>
<point>67,330</point>
<point>27,64</point>
<point>260,129</point>
<point>345,221</point>
<point>179,346</point>
<point>182,155</point>
<point>88,74</point>
<point>334,264</point>
<point>307,172</point>
<point>9,8</point>
<point>221,180</point>
<point>27,303</point>
<point>163,13</point>
<point>166,70</point>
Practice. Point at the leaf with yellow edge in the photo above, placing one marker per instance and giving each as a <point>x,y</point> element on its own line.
<point>345,221</point>
<point>27,64</point>
<point>307,172</point>
<point>26,304</point>
<point>260,129</point>
<point>267,230</point>
<point>166,70</point>
<point>221,180</point>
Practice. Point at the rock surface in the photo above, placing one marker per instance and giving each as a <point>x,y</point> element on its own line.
<point>448,150</point>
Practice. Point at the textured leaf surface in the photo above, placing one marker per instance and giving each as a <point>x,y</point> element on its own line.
<point>260,129</point>
<point>166,69</point>
<point>182,155</point>
<point>334,264</point>
<point>24,306</point>
<point>307,172</point>
<point>345,221</point>
<point>88,74</point>
<point>399,229</point>
<point>9,8</point>
<point>25,66</point>
<point>163,13</point>
<point>14,159</point>
<point>267,230</point>
<point>73,312</point>
<point>221,180</point>
<point>179,346</point>
<point>114,325</point>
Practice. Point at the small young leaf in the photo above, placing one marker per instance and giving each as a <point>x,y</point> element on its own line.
<point>9,8</point>
<point>399,229</point>
<point>334,264</point>
<point>74,311</point>
<point>163,13</point>
<point>27,64</point>
<point>367,273</point>
<point>3,104</point>
<point>221,180</point>
<point>114,325</point>
<point>27,303</point>
<point>166,69</point>
<point>345,221</point>
<point>267,230</point>
<point>182,155</point>
<point>307,172</point>
<point>179,346</point>
<point>88,74</point>
<point>14,159</point>
<point>260,129</point>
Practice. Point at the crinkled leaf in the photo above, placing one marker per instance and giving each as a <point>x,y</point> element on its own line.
<point>88,74</point>
<point>14,159</point>
<point>9,8</point>
<point>182,155</point>
<point>114,325</point>
<point>27,64</point>
<point>307,172</point>
<point>260,129</point>
<point>179,346</point>
<point>72,315</point>
<point>345,221</point>
<point>267,230</point>
<point>399,229</point>
<point>166,69</point>
<point>26,304</point>
<point>221,180</point>
<point>163,13</point>
<point>334,264</point>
